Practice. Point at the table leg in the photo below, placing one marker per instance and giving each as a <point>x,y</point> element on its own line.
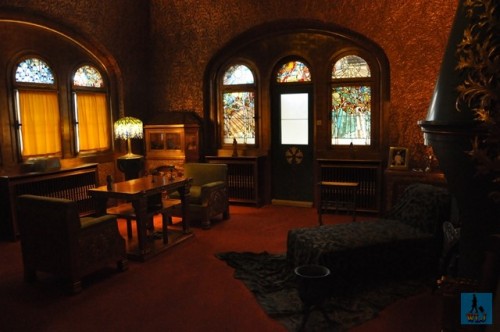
<point>184,196</point>
<point>100,206</point>
<point>141,211</point>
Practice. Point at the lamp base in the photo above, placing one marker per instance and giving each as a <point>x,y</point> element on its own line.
<point>131,165</point>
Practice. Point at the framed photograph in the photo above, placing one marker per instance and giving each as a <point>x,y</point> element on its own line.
<point>398,157</point>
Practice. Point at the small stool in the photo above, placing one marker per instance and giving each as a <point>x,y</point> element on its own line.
<point>337,195</point>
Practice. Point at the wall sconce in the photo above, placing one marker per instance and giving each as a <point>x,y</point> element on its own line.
<point>131,164</point>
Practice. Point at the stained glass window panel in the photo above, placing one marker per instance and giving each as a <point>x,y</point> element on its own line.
<point>351,115</point>
<point>238,74</point>
<point>293,71</point>
<point>350,66</point>
<point>239,117</point>
<point>88,76</point>
<point>34,71</point>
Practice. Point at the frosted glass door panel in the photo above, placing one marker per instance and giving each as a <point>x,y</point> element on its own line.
<point>294,118</point>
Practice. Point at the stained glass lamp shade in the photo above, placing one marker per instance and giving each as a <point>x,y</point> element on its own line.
<point>127,128</point>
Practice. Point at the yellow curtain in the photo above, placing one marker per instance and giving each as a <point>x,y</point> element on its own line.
<point>40,123</point>
<point>93,122</point>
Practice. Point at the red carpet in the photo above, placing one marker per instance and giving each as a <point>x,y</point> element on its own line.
<point>184,289</point>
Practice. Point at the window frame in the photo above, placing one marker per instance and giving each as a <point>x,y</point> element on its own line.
<point>373,81</point>
<point>64,87</point>
<point>325,44</point>
<point>230,88</point>
<point>73,109</point>
<point>31,86</point>
<point>283,85</point>
<point>287,60</point>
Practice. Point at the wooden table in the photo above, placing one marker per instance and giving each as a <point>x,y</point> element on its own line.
<point>137,192</point>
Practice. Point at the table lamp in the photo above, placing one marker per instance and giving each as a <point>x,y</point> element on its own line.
<point>127,128</point>
<point>131,164</point>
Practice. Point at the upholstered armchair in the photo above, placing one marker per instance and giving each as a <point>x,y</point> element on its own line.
<point>208,192</point>
<point>56,240</point>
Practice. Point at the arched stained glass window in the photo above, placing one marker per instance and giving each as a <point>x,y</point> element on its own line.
<point>238,74</point>
<point>92,125</point>
<point>34,70</point>
<point>238,103</point>
<point>37,109</point>
<point>293,71</point>
<point>350,66</point>
<point>88,76</point>
<point>351,102</point>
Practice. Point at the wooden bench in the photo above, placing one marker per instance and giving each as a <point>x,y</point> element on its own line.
<point>337,196</point>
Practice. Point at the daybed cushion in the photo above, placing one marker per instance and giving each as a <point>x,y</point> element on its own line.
<point>382,248</point>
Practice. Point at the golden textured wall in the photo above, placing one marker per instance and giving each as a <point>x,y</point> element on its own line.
<point>413,33</point>
<point>185,34</point>
<point>120,27</point>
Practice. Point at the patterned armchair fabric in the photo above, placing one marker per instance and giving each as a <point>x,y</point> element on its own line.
<point>208,192</point>
<point>406,243</point>
<point>55,240</point>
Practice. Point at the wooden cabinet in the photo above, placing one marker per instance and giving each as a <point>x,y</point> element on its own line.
<point>245,178</point>
<point>71,183</point>
<point>173,144</point>
<point>396,182</point>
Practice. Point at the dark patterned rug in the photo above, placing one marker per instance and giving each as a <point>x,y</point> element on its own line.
<point>274,285</point>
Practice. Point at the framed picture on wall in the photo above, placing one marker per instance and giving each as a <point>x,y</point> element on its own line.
<point>398,157</point>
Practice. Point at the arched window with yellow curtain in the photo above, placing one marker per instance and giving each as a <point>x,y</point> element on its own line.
<point>91,113</point>
<point>38,120</point>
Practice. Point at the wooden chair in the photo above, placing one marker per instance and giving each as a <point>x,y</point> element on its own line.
<point>54,239</point>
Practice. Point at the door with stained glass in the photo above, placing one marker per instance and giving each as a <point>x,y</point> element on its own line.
<point>292,136</point>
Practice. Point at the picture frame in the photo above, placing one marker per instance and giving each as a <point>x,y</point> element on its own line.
<point>398,157</point>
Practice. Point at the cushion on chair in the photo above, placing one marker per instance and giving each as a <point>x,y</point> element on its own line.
<point>196,193</point>
<point>89,221</point>
<point>203,173</point>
